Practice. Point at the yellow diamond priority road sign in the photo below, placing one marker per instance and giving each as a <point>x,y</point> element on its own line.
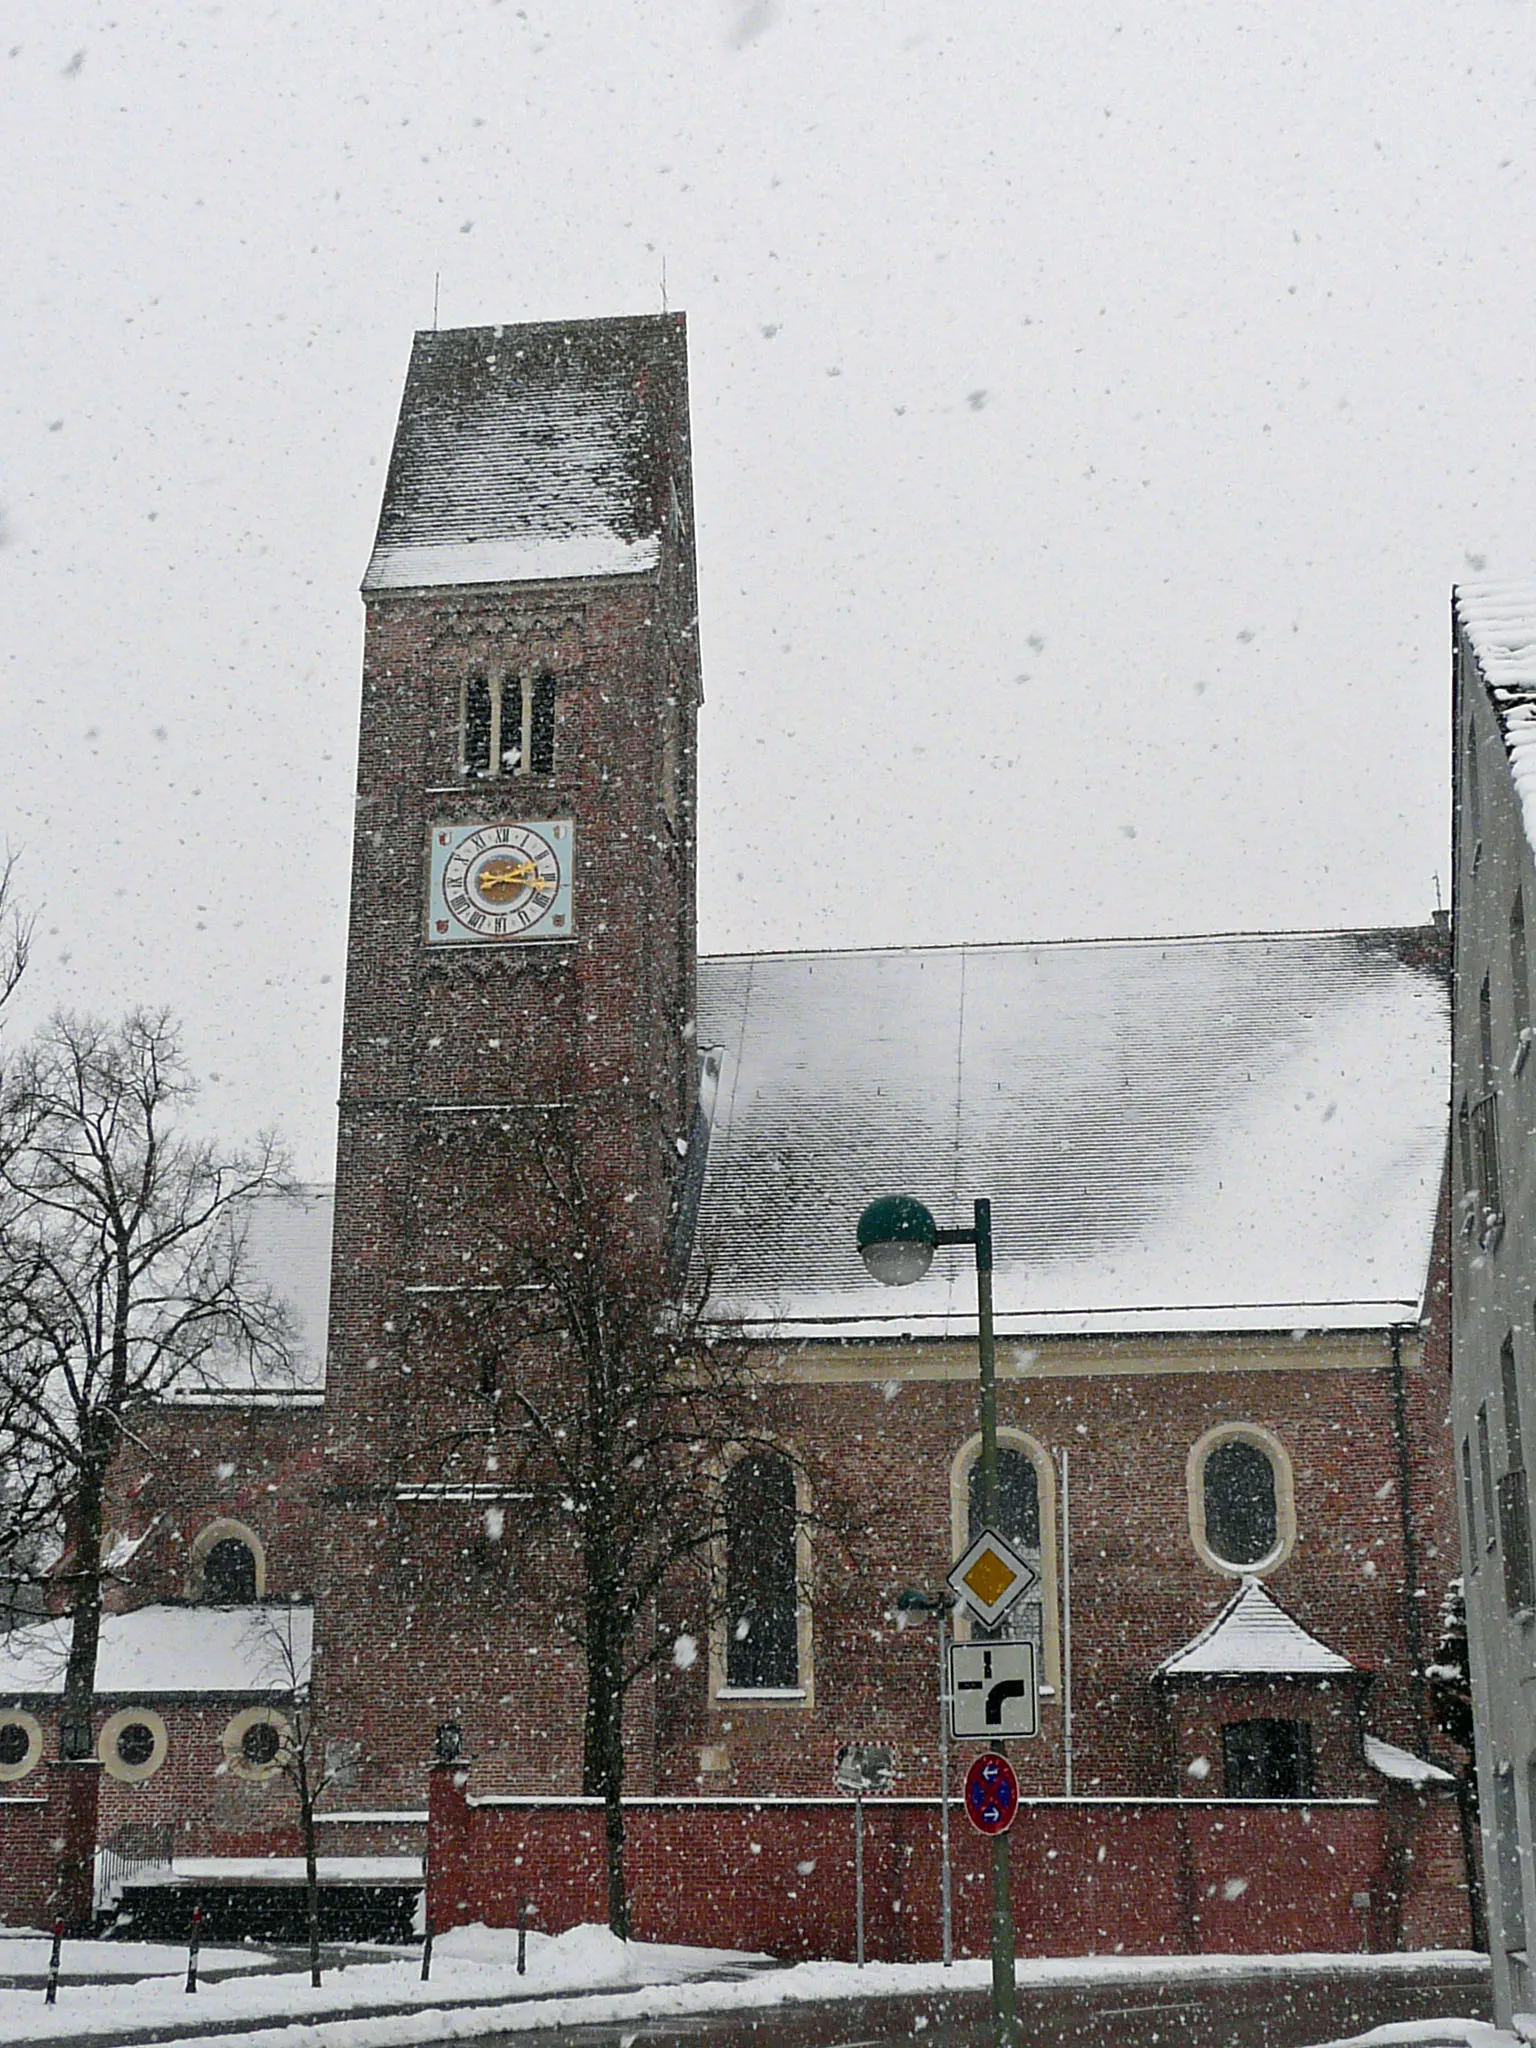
<point>992,1576</point>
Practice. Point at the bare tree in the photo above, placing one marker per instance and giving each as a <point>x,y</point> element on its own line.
<point>123,1277</point>
<point>298,1751</point>
<point>612,1406</point>
<point>15,932</point>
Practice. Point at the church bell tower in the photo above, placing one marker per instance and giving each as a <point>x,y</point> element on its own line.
<point>522,916</point>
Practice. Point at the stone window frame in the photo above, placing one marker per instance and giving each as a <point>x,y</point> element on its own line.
<point>969,1454</point>
<point>798,1698</point>
<point>233,1742</point>
<point>215,1532</point>
<point>112,1728</point>
<point>32,1728</point>
<point>1279,1458</point>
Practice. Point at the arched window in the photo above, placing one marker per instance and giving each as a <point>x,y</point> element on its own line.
<point>229,1572</point>
<point>1242,1515</point>
<point>227,1565</point>
<point>762,1599</point>
<point>1026,1509</point>
<point>477,726</point>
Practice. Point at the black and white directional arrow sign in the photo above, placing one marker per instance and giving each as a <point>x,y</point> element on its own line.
<point>993,1690</point>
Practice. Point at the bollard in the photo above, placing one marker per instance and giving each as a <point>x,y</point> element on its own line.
<point>51,1996</point>
<point>426,1951</point>
<point>522,1937</point>
<point>192,1947</point>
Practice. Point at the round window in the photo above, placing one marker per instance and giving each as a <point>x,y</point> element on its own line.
<point>15,1742</point>
<point>135,1744</point>
<point>260,1743</point>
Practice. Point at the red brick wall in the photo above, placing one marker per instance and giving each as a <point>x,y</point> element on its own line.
<point>47,1843</point>
<point>1088,1877</point>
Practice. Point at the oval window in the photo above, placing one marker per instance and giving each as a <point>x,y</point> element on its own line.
<point>135,1744</point>
<point>15,1743</point>
<point>1242,1521</point>
<point>260,1743</point>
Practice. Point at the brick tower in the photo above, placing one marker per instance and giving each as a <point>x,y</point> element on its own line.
<point>521,946</point>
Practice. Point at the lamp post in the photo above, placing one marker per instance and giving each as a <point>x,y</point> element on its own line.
<point>897,1239</point>
<point>913,1601</point>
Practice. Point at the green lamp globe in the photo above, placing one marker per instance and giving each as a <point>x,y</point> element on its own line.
<point>897,1236</point>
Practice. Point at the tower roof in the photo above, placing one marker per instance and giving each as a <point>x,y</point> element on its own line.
<point>1253,1636</point>
<point>528,454</point>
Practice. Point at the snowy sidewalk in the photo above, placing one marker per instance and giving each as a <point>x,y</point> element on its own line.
<point>586,1978</point>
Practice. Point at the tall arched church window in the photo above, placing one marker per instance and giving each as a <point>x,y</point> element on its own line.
<point>1026,1517</point>
<point>1242,1513</point>
<point>761,1580</point>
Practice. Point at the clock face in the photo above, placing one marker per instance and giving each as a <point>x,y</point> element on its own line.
<point>500,883</point>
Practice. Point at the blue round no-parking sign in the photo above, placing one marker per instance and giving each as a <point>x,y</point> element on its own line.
<point>991,1794</point>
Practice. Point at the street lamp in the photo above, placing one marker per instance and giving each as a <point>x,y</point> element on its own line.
<point>897,1240</point>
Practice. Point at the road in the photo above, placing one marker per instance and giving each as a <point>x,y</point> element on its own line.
<point>1235,2012</point>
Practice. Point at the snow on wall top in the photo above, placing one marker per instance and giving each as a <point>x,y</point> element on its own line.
<point>288,1247</point>
<point>157,1650</point>
<point>1236,1133</point>
<point>530,453</point>
<point>1253,1634</point>
<point>1499,620</point>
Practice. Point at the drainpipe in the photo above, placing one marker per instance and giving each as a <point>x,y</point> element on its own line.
<point>1066,1619</point>
<point>1414,1620</point>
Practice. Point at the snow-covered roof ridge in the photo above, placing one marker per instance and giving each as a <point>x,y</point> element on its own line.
<point>1235,1133</point>
<point>530,454</point>
<point>1499,620</point>
<point>158,1650</point>
<point>1403,1765</point>
<point>1254,1636</point>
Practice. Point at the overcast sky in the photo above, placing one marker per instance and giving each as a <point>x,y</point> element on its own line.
<point>1092,407</point>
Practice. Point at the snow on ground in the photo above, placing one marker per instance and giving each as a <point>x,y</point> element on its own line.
<point>1432,2034</point>
<point>24,1953</point>
<point>284,2011</point>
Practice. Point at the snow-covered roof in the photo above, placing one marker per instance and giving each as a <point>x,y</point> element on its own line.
<point>529,453</point>
<point>1499,620</point>
<point>178,1650</point>
<point>1253,1636</point>
<point>1233,1133</point>
<point>288,1247</point>
<point>1402,1764</point>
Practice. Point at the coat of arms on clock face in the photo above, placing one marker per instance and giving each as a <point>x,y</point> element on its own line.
<point>500,883</point>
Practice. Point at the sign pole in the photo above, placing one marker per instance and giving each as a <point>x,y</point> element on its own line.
<point>1004,1997</point>
<point>858,1871</point>
<point>945,1893</point>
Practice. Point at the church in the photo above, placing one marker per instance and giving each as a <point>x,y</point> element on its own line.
<point>1215,1167</point>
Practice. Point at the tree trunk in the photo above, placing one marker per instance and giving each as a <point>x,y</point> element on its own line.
<point>311,1867</point>
<point>603,1762</point>
<point>79,1702</point>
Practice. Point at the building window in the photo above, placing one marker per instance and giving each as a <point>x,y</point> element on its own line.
<point>508,726</point>
<point>1267,1759</point>
<point>1506,1824</point>
<point>1469,1502</point>
<point>256,1744</point>
<point>1241,1502</point>
<point>1474,795</point>
<point>1026,1504</point>
<point>1520,979</point>
<point>762,1594</point>
<point>1514,1501</point>
<point>132,1745</point>
<point>21,1745</point>
<point>479,727</point>
<point>229,1566</point>
<point>1485,1473</point>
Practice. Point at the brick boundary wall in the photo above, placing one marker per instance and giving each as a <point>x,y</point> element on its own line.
<point>47,1850</point>
<point>1091,1876</point>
